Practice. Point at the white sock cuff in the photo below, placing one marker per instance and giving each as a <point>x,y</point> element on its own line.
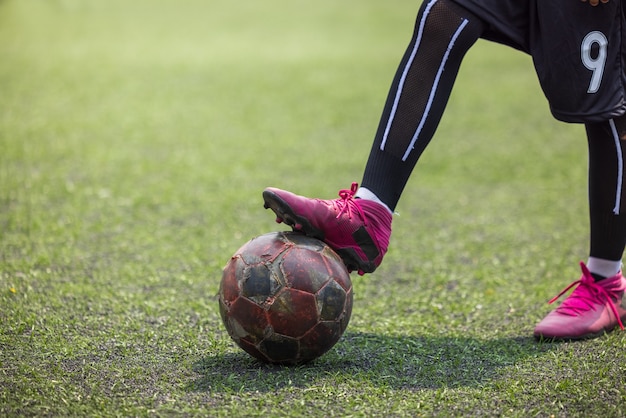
<point>606,268</point>
<point>367,194</point>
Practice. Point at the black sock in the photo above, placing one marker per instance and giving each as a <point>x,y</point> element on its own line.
<point>444,32</point>
<point>607,188</point>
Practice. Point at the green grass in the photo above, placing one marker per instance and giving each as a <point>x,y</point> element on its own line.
<point>135,139</point>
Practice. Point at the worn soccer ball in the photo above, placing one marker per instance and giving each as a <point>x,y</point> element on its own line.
<point>285,298</point>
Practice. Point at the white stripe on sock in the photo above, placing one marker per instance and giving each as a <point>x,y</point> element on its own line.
<point>620,168</point>
<point>434,89</point>
<point>418,40</point>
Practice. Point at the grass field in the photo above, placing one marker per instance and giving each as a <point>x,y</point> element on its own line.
<point>135,140</point>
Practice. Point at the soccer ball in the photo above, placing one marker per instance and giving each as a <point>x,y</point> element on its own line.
<point>285,298</point>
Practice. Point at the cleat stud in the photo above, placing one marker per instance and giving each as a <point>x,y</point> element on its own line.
<point>279,220</point>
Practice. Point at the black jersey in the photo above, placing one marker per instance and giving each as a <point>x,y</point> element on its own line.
<point>579,51</point>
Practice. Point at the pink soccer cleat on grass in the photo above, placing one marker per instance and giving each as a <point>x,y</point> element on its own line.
<point>592,309</point>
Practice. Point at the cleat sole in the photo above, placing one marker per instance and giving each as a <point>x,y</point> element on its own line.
<point>283,211</point>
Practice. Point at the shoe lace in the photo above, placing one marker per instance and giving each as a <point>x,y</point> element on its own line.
<point>346,203</point>
<point>585,297</point>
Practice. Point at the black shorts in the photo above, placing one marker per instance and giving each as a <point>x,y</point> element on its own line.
<point>579,51</point>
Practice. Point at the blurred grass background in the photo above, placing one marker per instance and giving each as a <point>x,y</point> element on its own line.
<point>135,140</point>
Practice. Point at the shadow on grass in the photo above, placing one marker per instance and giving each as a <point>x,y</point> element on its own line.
<point>399,362</point>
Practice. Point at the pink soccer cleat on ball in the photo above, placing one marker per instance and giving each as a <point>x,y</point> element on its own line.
<point>357,229</point>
